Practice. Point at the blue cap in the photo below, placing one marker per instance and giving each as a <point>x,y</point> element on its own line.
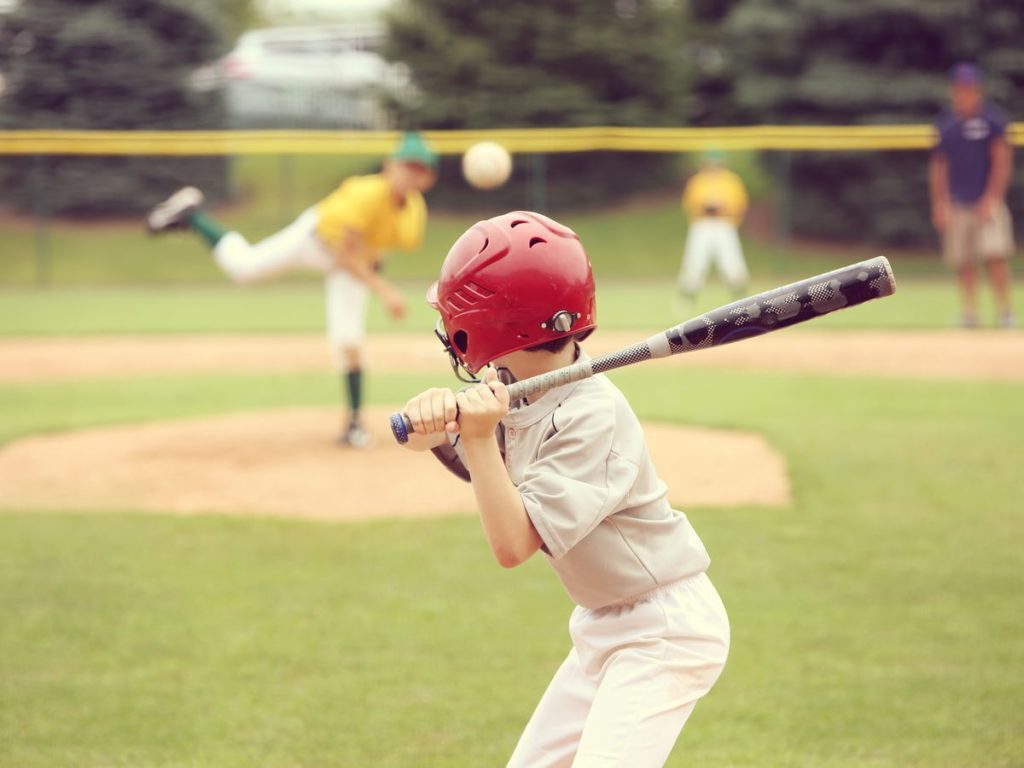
<point>965,73</point>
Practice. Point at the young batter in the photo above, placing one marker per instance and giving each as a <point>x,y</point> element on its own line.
<point>344,237</point>
<point>569,474</point>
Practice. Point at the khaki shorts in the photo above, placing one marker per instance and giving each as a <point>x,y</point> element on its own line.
<point>969,239</point>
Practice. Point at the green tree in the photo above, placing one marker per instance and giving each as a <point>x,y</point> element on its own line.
<point>549,64</point>
<point>711,94</point>
<point>107,64</point>
<point>851,62</point>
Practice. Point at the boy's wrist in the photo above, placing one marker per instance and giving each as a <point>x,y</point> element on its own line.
<point>481,450</point>
<point>477,443</point>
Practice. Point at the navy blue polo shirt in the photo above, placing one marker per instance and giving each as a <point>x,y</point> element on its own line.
<point>966,143</point>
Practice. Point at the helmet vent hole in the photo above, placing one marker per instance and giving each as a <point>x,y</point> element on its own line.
<point>517,222</point>
<point>461,341</point>
<point>535,240</point>
<point>487,241</point>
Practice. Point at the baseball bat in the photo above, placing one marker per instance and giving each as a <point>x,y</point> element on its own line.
<point>765,312</point>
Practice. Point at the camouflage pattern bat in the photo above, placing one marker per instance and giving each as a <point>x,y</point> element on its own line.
<point>768,311</point>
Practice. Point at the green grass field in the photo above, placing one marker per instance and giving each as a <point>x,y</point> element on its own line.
<point>876,621</point>
<point>643,241</point>
<point>643,306</point>
<point>111,278</point>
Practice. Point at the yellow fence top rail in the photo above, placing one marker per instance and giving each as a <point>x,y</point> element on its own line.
<point>765,137</point>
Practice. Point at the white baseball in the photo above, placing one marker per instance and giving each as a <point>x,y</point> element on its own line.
<point>486,165</point>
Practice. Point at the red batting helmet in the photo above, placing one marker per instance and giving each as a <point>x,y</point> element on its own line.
<point>509,283</point>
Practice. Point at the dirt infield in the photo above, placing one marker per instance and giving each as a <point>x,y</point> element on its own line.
<point>282,462</point>
<point>915,354</point>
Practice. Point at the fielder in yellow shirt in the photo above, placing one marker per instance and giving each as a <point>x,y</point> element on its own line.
<point>345,237</point>
<point>715,202</point>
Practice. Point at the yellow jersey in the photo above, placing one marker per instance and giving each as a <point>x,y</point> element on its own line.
<point>715,192</point>
<point>365,204</point>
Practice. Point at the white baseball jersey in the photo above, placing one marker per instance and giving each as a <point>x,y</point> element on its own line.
<point>578,457</point>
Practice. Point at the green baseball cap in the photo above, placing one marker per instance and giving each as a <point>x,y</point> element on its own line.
<point>413,148</point>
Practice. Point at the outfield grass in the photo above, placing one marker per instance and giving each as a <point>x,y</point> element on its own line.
<point>644,241</point>
<point>640,240</point>
<point>876,621</point>
<point>643,306</point>
<point>112,278</point>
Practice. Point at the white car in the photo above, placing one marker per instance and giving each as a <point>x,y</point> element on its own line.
<point>326,77</point>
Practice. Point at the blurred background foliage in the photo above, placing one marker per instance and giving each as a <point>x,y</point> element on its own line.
<point>561,64</point>
<point>852,62</point>
<point>107,64</point>
<point>715,62</point>
<point>123,64</point>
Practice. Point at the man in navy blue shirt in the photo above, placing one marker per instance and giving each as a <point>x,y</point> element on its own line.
<point>969,173</point>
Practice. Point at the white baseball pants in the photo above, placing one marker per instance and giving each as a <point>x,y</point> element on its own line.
<point>712,239</point>
<point>297,247</point>
<point>633,677</point>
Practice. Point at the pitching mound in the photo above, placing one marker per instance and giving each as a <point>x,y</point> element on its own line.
<point>283,462</point>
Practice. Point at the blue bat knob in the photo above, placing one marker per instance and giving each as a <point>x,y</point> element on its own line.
<point>400,428</point>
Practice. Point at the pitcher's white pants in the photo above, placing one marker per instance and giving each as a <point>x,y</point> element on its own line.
<point>297,247</point>
<point>712,239</point>
<point>632,679</point>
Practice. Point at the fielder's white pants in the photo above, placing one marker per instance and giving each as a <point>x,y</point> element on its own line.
<point>297,247</point>
<point>712,239</point>
<point>629,684</point>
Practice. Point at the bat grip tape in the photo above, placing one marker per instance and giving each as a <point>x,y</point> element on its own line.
<point>401,426</point>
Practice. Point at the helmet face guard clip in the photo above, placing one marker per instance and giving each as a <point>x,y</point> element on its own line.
<point>561,322</point>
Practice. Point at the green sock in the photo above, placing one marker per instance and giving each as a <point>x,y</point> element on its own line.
<point>209,229</point>
<point>354,390</point>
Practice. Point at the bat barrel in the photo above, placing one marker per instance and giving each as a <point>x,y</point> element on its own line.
<point>782,307</point>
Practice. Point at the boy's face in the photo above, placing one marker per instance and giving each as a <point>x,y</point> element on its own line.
<point>524,363</point>
<point>509,361</point>
<point>406,177</point>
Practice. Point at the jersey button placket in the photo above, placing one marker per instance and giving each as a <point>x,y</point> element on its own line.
<point>510,444</point>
